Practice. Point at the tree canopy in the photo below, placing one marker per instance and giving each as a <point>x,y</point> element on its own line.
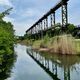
<point>6,34</point>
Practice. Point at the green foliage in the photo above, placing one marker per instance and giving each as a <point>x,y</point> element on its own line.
<point>57,25</point>
<point>45,41</point>
<point>6,12</point>
<point>70,28</point>
<point>6,35</point>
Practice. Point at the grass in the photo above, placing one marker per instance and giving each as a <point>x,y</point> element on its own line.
<point>64,44</point>
<point>77,45</point>
<point>25,42</point>
<point>36,44</point>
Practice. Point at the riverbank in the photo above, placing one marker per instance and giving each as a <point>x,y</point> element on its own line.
<point>63,44</point>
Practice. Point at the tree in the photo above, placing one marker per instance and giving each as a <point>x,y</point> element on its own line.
<point>70,28</point>
<point>6,12</point>
<point>6,34</point>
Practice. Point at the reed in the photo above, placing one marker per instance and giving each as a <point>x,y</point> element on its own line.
<point>64,44</point>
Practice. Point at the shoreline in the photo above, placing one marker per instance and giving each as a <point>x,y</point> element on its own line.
<point>64,45</point>
<point>48,50</point>
<point>51,51</point>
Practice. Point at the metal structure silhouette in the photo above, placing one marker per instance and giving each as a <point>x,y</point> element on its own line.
<point>41,26</point>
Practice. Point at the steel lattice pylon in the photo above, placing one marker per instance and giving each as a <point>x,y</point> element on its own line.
<point>64,16</point>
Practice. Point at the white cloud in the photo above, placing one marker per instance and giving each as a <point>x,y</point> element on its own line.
<point>6,2</point>
<point>20,28</point>
<point>8,19</point>
<point>31,12</point>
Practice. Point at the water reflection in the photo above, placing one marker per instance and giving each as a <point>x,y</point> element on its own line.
<point>57,66</point>
<point>6,65</point>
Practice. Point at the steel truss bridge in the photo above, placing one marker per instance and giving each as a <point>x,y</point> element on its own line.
<point>41,27</point>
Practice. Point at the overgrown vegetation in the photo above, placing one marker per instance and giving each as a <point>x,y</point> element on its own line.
<point>6,35</point>
<point>62,44</point>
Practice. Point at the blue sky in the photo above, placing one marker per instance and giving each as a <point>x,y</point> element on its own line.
<point>26,12</point>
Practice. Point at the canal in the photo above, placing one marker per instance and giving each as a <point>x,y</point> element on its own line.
<point>33,65</point>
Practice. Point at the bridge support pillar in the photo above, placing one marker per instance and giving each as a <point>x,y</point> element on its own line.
<point>51,20</point>
<point>54,19</point>
<point>47,22</point>
<point>31,33</point>
<point>35,32</point>
<point>44,24</point>
<point>41,30</point>
<point>64,16</point>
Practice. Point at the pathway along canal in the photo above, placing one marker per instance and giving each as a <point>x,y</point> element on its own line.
<point>31,65</point>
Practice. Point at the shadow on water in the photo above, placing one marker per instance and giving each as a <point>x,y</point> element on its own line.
<point>6,65</point>
<point>59,67</point>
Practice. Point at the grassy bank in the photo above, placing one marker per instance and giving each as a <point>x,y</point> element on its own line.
<point>62,44</point>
